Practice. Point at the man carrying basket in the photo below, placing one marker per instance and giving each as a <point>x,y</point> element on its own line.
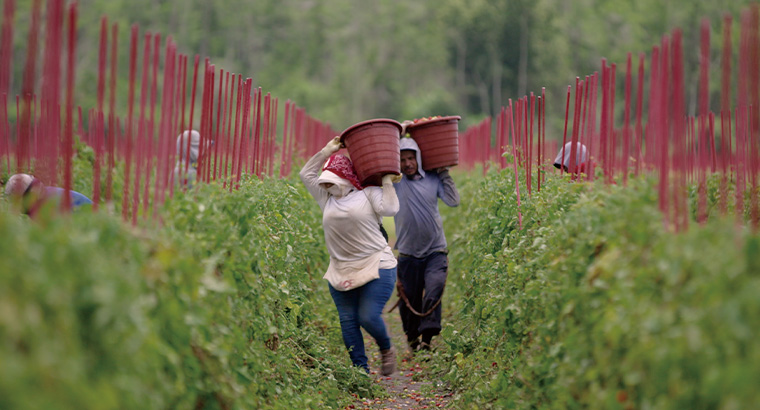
<point>421,244</point>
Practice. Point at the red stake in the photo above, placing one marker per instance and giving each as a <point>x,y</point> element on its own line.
<point>723,162</point>
<point>273,139</point>
<point>525,142</point>
<point>753,43</point>
<point>627,121</point>
<point>284,149</point>
<point>702,150</point>
<point>264,148</point>
<point>704,114</point>
<point>543,126</point>
<point>151,143</point>
<point>99,137</point>
<point>257,136</point>
<point>639,109</point>
<point>244,127</point>
<point>180,100</point>
<point>111,142</point>
<point>140,148</point>
<point>564,134</point>
<point>6,47</point>
<point>292,138</point>
<point>251,152</point>
<point>225,128</point>
<point>68,123</point>
<point>27,89</point>
<point>130,122</point>
<point>514,164</point>
<point>582,131</point>
<point>754,117</point>
<point>218,136</point>
<point>229,143</point>
<point>604,125</point>
<point>712,142</point>
<point>704,68</point>
<point>530,141</point>
<point>679,113</point>
<point>209,116</point>
<point>202,131</point>
<point>500,137</point>
<point>652,136</point>
<point>573,163</point>
<point>741,129</point>
<point>592,126</point>
<point>46,167</point>
<point>6,132</point>
<point>95,128</point>
<point>235,143</point>
<point>190,123</point>
<point>663,155</point>
<point>165,132</point>
<point>611,112</point>
<point>102,56</point>
<point>725,96</point>
<point>539,164</point>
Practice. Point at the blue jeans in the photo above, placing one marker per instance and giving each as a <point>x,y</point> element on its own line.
<point>363,307</point>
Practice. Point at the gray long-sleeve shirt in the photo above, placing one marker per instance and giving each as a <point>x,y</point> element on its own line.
<point>419,228</point>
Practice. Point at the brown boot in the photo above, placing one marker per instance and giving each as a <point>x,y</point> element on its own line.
<point>389,361</point>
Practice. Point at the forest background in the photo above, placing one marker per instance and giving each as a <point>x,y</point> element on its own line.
<point>350,60</point>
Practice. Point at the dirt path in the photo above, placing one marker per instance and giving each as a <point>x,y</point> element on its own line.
<point>412,386</point>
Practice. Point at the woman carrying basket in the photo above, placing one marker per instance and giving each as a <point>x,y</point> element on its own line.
<point>362,271</point>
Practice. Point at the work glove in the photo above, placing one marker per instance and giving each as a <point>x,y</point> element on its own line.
<point>332,146</point>
<point>403,127</point>
<point>391,179</point>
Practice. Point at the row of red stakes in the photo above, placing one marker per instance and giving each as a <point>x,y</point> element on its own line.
<point>680,149</point>
<point>238,122</point>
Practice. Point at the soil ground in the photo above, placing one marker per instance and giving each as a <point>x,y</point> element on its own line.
<point>413,386</point>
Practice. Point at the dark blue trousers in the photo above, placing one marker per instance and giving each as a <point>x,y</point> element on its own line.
<point>423,280</point>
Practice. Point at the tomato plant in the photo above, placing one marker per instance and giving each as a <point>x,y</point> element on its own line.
<point>595,304</point>
<point>220,304</point>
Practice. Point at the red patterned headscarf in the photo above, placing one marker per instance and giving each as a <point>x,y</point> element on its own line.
<point>341,166</point>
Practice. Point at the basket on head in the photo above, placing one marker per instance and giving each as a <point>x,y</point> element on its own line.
<point>438,140</point>
<point>373,146</point>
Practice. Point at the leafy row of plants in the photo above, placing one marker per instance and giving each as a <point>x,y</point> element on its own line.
<point>217,305</point>
<point>595,304</point>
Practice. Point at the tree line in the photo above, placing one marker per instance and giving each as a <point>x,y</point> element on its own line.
<point>346,61</point>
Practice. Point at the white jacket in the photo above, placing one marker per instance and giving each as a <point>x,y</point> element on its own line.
<point>351,223</point>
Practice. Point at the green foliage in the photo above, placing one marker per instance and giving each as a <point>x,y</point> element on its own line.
<point>593,304</point>
<point>222,306</point>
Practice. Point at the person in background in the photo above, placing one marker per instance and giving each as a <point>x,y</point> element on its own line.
<point>184,173</point>
<point>421,243</point>
<point>362,270</point>
<point>563,161</point>
<point>28,194</point>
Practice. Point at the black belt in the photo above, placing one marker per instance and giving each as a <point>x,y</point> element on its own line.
<point>403,255</point>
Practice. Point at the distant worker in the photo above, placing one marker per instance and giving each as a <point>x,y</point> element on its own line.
<point>581,157</point>
<point>28,194</point>
<point>184,173</point>
<point>362,270</point>
<point>422,249</point>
